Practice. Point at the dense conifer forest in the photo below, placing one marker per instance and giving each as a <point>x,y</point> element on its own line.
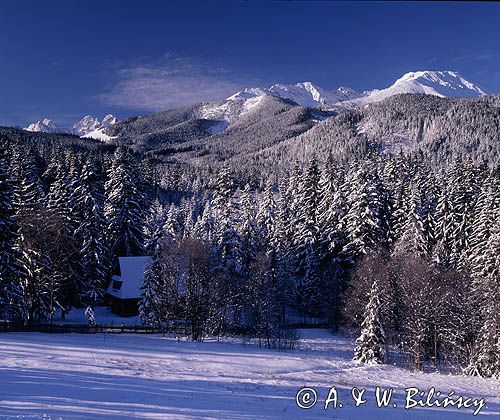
<point>384,220</point>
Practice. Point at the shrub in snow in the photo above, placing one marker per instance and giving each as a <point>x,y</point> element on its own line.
<point>89,313</point>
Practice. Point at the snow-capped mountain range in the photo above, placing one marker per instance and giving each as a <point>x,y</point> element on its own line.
<point>45,126</point>
<point>440,83</point>
<point>304,93</point>
<point>88,126</point>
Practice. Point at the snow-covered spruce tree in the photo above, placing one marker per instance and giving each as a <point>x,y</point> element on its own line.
<point>331,208</point>
<point>280,245</point>
<point>89,313</point>
<point>486,293</point>
<point>414,237</point>
<point>362,221</point>
<point>370,345</point>
<point>154,227</point>
<point>247,226</point>
<point>463,181</point>
<point>445,228</point>
<point>124,206</point>
<point>55,161</point>
<point>307,246</point>
<point>401,194</point>
<point>11,293</point>
<point>58,197</point>
<point>171,227</point>
<point>266,215</point>
<point>228,273</point>
<point>483,220</point>
<point>28,192</point>
<point>36,284</point>
<point>486,355</point>
<point>86,202</point>
<point>204,227</point>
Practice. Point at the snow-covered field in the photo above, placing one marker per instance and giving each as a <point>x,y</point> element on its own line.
<point>71,376</point>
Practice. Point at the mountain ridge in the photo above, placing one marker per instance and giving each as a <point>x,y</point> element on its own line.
<point>215,117</point>
<point>432,82</point>
<point>88,126</point>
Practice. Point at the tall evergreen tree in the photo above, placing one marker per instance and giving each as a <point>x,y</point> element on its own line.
<point>307,252</point>
<point>87,203</point>
<point>363,221</point>
<point>11,293</point>
<point>124,206</point>
<point>370,345</point>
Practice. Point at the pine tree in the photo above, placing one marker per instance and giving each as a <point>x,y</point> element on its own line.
<point>370,348</point>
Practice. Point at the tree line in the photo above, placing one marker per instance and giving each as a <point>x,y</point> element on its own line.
<point>391,245</point>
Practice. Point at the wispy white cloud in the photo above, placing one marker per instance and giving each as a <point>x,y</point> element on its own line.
<point>170,82</point>
<point>475,56</point>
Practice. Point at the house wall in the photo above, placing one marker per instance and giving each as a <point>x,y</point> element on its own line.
<point>125,307</point>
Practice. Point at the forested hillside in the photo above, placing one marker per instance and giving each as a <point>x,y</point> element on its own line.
<point>288,214</point>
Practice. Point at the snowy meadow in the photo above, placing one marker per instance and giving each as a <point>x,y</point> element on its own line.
<point>71,376</point>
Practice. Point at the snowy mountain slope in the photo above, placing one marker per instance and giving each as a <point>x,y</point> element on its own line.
<point>310,95</point>
<point>225,127</point>
<point>248,93</point>
<point>88,126</point>
<point>446,84</point>
<point>222,113</point>
<point>109,120</point>
<point>304,93</point>
<point>440,83</point>
<point>126,376</point>
<point>45,126</point>
<point>269,129</point>
<point>98,134</point>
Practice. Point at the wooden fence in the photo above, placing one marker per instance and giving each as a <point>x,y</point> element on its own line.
<point>182,329</point>
<point>87,329</point>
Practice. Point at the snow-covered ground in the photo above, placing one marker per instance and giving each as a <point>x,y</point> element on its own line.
<point>103,316</point>
<point>72,376</point>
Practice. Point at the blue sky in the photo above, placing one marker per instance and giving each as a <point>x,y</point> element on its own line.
<point>63,59</point>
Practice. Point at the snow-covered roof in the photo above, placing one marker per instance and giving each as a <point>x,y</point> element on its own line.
<point>132,275</point>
